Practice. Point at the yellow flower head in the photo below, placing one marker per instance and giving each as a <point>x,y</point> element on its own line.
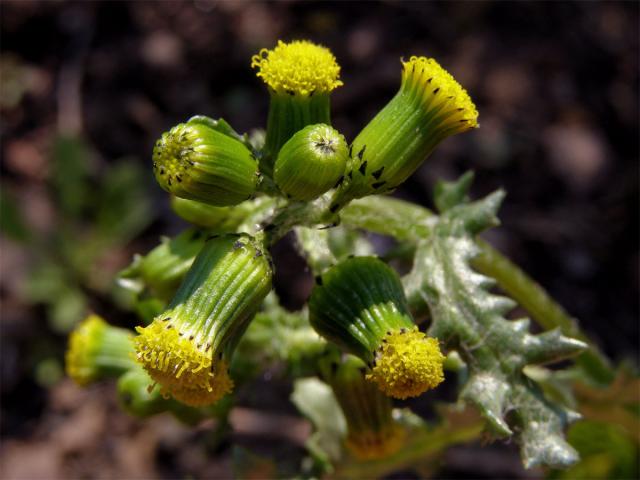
<point>407,364</point>
<point>182,365</point>
<point>299,67</point>
<point>97,350</point>
<point>82,347</point>
<point>440,93</point>
<point>370,444</point>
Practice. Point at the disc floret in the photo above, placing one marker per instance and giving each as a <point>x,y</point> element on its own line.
<point>298,68</point>
<point>182,362</point>
<point>407,363</point>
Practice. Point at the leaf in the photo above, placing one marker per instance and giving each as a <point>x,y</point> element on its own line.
<point>467,317</point>
<point>315,400</point>
<point>450,194</point>
<point>607,451</point>
<point>276,335</point>
<point>323,248</point>
<point>222,126</point>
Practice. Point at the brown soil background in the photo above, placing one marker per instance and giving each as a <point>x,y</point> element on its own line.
<point>556,85</point>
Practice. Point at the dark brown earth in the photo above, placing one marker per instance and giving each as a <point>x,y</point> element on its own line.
<point>556,85</point>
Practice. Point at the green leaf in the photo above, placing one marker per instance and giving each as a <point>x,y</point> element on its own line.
<point>449,194</point>
<point>471,319</point>
<point>222,126</point>
<point>323,248</point>
<point>315,400</point>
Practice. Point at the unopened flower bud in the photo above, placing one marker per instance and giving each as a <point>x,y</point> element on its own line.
<point>360,305</point>
<point>163,268</point>
<point>199,213</point>
<point>138,399</point>
<point>311,162</point>
<point>196,162</point>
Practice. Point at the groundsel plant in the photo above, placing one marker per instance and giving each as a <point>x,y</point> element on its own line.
<point>369,337</point>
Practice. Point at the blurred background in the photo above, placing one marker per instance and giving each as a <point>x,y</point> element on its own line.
<point>87,87</point>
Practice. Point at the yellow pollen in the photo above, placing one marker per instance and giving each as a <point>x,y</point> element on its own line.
<point>407,364</point>
<point>183,369</point>
<point>370,445</point>
<point>299,67</point>
<point>440,92</point>
<point>82,347</point>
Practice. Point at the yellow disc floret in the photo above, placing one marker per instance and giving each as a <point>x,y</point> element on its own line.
<point>184,368</point>
<point>440,92</point>
<point>407,364</point>
<point>82,348</point>
<point>370,445</point>
<point>299,67</point>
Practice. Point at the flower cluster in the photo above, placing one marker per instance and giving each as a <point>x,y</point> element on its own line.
<point>198,292</point>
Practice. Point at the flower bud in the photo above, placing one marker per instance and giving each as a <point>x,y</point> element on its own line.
<point>196,162</point>
<point>222,219</point>
<point>360,305</point>
<point>300,76</point>
<point>164,267</point>
<point>198,213</point>
<point>137,399</point>
<point>187,349</point>
<point>97,350</point>
<point>371,430</point>
<point>429,107</point>
<point>311,162</point>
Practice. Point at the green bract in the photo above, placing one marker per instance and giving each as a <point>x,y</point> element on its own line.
<point>164,267</point>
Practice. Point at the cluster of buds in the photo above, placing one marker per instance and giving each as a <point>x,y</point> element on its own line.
<point>203,287</point>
